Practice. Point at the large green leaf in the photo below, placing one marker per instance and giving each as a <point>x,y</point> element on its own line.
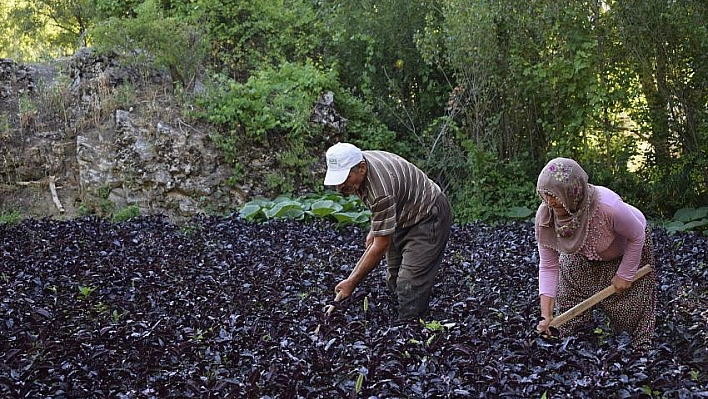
<point>250,211</point>
<point>519,212</point>
<point>675,226</point>
<point>689,214</point>
<point>324,208</point>
<point>695,223</point>
<point>347,217</point>
<point>285,209</point>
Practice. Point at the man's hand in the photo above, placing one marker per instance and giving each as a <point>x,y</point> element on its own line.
<point>344,289</point>
<point>620,284</point>
<point>369,239</point>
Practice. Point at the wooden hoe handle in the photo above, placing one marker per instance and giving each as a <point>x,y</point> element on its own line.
<point>571,313</point>
<point>330,308</point>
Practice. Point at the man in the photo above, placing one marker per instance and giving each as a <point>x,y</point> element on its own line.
<point>410,222</point>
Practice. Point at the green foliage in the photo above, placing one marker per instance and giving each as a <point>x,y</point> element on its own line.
<point>663,43</point>
<point>271,109</point>
<point>359,383</point>
<point>491,190</point>
<point>329,206</point>
<point>33,30</point>
<point>275,99</point>
<point>126,213</point>
<point>686,219</point>
<point>678,184</point>
<point>479,93</point>
<point>383,66</point>
<point>480,186</point>
<point>248,35</point>
<point>436,326</point>
<point>85,291</point>
<point>10,217</point>
<point>107,9</point>
<point>153,38</point>
<point>651,393</point>
<point>694,375</point>
<point>115,316</point>
<point>365,129</point>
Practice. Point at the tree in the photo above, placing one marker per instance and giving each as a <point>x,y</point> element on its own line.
<point>35,29</point>
<point>666,45</point>
<point>153,38</point>
<point>375,48</point>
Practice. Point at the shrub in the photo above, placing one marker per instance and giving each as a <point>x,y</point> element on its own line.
<point>10,217</point>
<point>270,110</point>
<point>329,206</point>
<point>151,38</point>
<point>488,189</point>
<point>126,213</point>
<point>686,219</point>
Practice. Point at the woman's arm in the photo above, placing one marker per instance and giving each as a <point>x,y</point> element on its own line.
<point>629,223</point>
<point>548,270</point>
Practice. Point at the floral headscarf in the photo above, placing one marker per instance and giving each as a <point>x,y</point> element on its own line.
<point>565,180</point>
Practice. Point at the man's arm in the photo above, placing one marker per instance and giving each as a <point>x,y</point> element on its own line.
<point>366,264</point>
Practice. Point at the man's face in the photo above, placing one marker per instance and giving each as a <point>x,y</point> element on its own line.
<point>354,180</point>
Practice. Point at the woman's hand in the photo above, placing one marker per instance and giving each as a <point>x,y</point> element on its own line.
<point>546,314</point>
<point>542,326</point>
<point>621,284</point>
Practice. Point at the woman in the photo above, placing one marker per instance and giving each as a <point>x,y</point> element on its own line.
<point>588,238</point>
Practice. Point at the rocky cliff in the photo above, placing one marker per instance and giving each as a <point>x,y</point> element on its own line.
<point>86,135</point>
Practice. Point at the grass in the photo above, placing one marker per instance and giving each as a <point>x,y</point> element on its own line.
<point>10,217</point>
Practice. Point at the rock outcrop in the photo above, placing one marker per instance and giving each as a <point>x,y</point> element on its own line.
<point>107,137</point>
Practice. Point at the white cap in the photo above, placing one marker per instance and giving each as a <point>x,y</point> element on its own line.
<point>341,157</point>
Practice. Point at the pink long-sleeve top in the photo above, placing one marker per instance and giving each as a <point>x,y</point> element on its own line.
<point>616,229</point>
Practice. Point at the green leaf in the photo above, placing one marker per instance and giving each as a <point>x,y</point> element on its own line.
<point>675,226</point>
<point>325,207</point>
<point>359,383</point>
<point>689,214</point>
<point>249,211</point>
<point>695,223</point>
<point>285,209</point>
<point>346,217</point>
<point>519,212</point>
<point>262,202</point>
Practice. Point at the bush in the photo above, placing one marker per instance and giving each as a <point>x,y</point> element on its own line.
<point>10,217</point>
<point>250,35</point>
<point>686,219</point>
<point>126,213</point>
<point>270,110</point>
<point>488,189</point>
<point>153,38</point>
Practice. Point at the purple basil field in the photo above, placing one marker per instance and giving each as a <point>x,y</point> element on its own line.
<point>222,308</point>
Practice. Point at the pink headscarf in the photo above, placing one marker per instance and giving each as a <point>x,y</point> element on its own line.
<point>565,180</point>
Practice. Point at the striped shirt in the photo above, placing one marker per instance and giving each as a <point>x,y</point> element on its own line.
<point>397,193</point>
